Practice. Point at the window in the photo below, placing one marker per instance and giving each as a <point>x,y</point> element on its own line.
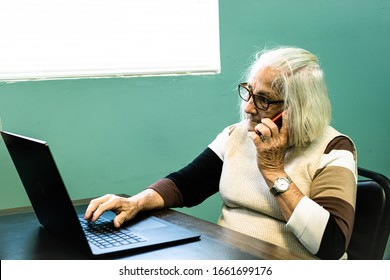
<point>52,39</point>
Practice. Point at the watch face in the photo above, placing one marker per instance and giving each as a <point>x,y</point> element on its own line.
<point>282,184</point>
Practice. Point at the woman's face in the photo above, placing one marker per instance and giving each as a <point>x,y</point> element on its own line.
<point>261,85</point>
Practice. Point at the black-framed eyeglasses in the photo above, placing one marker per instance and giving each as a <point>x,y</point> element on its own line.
<point>260,101</point>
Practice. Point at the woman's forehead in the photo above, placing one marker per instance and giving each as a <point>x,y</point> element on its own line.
<point>263,80</point>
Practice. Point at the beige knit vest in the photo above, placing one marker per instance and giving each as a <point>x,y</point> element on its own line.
<point>249,207</point>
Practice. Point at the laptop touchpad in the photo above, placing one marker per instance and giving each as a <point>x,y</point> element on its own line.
<point>147,224</point>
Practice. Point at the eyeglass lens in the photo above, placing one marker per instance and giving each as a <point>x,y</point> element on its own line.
<point>260,101</point>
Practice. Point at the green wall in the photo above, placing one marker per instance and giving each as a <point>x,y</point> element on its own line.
<point>120,135</point>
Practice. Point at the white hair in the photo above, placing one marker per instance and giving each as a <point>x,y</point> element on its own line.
<point>300,82</point>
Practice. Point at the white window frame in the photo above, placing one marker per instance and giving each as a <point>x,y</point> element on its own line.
<point>57,39</point>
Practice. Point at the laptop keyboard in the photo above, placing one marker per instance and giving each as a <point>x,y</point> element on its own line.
<point>103,234</point>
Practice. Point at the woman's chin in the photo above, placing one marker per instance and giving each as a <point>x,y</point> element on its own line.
<point>251,125</point>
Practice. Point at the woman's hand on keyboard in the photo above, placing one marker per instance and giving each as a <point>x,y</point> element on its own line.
<point>124,208</point>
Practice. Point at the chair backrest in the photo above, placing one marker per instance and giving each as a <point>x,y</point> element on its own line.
<point>372,217</point>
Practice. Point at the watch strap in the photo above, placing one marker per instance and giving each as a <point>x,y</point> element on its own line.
<point>274,191</point>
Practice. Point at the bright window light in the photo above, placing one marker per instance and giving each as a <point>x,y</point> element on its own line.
<point>55,39</point>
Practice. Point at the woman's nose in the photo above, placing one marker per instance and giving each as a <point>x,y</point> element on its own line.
<point>249,107</point>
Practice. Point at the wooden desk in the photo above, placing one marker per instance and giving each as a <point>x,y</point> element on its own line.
<point>22,237</point>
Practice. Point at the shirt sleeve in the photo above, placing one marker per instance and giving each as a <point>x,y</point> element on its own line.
<point>199,179</point>
<point>169,192</point>
<point>324,222</point>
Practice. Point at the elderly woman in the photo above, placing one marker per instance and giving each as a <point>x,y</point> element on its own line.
<point>289,180</point>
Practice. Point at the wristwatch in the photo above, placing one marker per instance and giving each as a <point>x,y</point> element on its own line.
<point>280,185</point>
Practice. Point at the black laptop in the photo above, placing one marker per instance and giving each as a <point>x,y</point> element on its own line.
<point>55,211</point>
